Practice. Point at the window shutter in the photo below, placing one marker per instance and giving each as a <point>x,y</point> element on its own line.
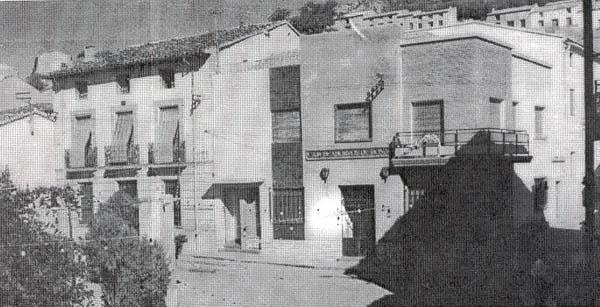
<point>353,122</point>
<point>81,134</point>
<point>168,130</point>
<point>122,136</point>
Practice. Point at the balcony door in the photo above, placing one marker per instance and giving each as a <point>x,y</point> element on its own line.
<point>168,134</point>
<point>358,220</point>
<point>82,141</point>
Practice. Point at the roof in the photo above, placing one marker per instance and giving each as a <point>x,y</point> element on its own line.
<point>43,109</point>
<point>439,39</point>
<point>167,50</point>
<point>511,10</point>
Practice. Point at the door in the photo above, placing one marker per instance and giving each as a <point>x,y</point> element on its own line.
<point>358,220</point>
<point>242,217</point>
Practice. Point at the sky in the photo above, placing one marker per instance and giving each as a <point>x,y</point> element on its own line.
<point>32,27</point>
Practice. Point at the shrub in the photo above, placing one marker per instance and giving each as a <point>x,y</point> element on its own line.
<point>130,270</point>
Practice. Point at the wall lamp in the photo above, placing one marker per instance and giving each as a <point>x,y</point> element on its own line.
<point>384,173</point>
<point>324,174</point>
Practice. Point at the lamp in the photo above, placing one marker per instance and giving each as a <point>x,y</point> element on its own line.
<point>324,174</point>
<point>384,173</point>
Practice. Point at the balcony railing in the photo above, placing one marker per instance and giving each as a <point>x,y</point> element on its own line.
<point>90,159</point>
<point>178,154</point>
<point>122,155</point>
<point>462,142</point>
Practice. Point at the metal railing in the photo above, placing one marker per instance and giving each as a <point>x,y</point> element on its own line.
<point>178,153</point>
<point>461,142</point>
<point>122,155</point>
<point>90,158</point>
<point>288,205</point>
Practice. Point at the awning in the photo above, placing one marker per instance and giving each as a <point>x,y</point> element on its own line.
<point>216,189</point>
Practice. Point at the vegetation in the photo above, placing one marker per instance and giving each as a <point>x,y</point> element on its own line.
<point>279,14</point>
<point>37,82</point>
<point>130,270</point>
<point>37,268</point>
<point>315,17</point>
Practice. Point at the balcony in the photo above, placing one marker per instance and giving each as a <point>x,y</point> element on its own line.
<point>155,156</point>
<point>438,147</point>
<point>122,155</point>
<point>90,159</point>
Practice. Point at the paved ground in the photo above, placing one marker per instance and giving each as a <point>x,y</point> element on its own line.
<point>211,282</point>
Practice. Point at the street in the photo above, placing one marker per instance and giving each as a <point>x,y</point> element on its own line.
<point>209,282</point>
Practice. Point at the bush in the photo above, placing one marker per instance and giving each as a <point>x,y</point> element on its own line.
<point>180,239</point>
<point>279,14</point>
<point>315,17</point>
<point>37,268</point>
<point>130,270</point>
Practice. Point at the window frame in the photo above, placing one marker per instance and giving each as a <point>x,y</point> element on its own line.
<point>539,135</point>
<point>347,106</point>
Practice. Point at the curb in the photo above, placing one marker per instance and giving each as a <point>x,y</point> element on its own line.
<point>303,266</point>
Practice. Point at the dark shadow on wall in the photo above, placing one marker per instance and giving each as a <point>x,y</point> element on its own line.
<point>465,246</point>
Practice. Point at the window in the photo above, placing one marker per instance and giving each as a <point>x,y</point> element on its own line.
<point>172,188</point>
<point>420,25</point>
<point>540,193</point>
<point>288,213</point>
<point>523,23</point>
<point>555,23</point>
<point>514,115</point>
<point>82,88</point>
<point>167,140</point>
<point>123,82</point>
<point>569,21</point>
<point>510,23</point>
<point>539,123</point>
<point>353,122</point>
<point>427,116</point>
<point>168,77</point>
<point>568,10</point>
<point>541,23</point>
<point>87,202</point>
<point>129,187</point>
<point>286,127</point>
<point>122,137</point>
<point>82,152</point>
<point>441,22</point>
<point>497,17</point>
<point>572,102</point>
<point>431,24</point>
<point>411,26</point>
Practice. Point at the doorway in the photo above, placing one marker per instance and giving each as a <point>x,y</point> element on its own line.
<point>242,217</point>
<point>358,220</point>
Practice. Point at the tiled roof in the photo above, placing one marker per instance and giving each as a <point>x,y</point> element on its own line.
<point>165,50</point>
<point>42,109</point>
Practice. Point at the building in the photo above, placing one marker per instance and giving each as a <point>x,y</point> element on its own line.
<point>29,152</point>
<point>550,17</point>
<point>405,19</point>
<point>50,61</point>
<point>190,113</point>
<point>459,101</point>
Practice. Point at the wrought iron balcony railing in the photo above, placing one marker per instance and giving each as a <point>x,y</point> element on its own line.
<point>178,154</point>
<point>461,142</point>
<point>122,155</point>
<point>90,158</point>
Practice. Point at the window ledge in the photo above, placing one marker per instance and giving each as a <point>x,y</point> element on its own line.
<point>540,138</point>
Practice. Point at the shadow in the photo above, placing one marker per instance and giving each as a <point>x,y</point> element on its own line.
<point>476,239</point>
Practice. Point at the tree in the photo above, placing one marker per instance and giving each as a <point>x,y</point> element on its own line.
<point>37,267</point>
<point>279,14</point>
<point>315,17</point>
<point>37,82</point>
<point>130,270</point>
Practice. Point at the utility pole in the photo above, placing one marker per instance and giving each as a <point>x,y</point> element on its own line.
<point>590,125</point>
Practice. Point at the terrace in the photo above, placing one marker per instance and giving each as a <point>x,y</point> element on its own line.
<point>436,148</point>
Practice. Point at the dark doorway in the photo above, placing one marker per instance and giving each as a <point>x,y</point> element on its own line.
<point>172,188</point>
<point>242,205</point>
<point>358,220</point>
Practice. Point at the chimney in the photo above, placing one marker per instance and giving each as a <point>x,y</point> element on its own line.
<point>89,54</point>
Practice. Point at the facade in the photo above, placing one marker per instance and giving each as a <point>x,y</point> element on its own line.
<point>190,114</point>
<point>550,17</point>
<point>405,19</point>
<point>31,132</point>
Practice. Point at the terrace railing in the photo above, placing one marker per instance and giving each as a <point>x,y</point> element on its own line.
<point>122,155</point>
<point>178,153</point>
<point>460,142</point>
<point>90,159</point>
